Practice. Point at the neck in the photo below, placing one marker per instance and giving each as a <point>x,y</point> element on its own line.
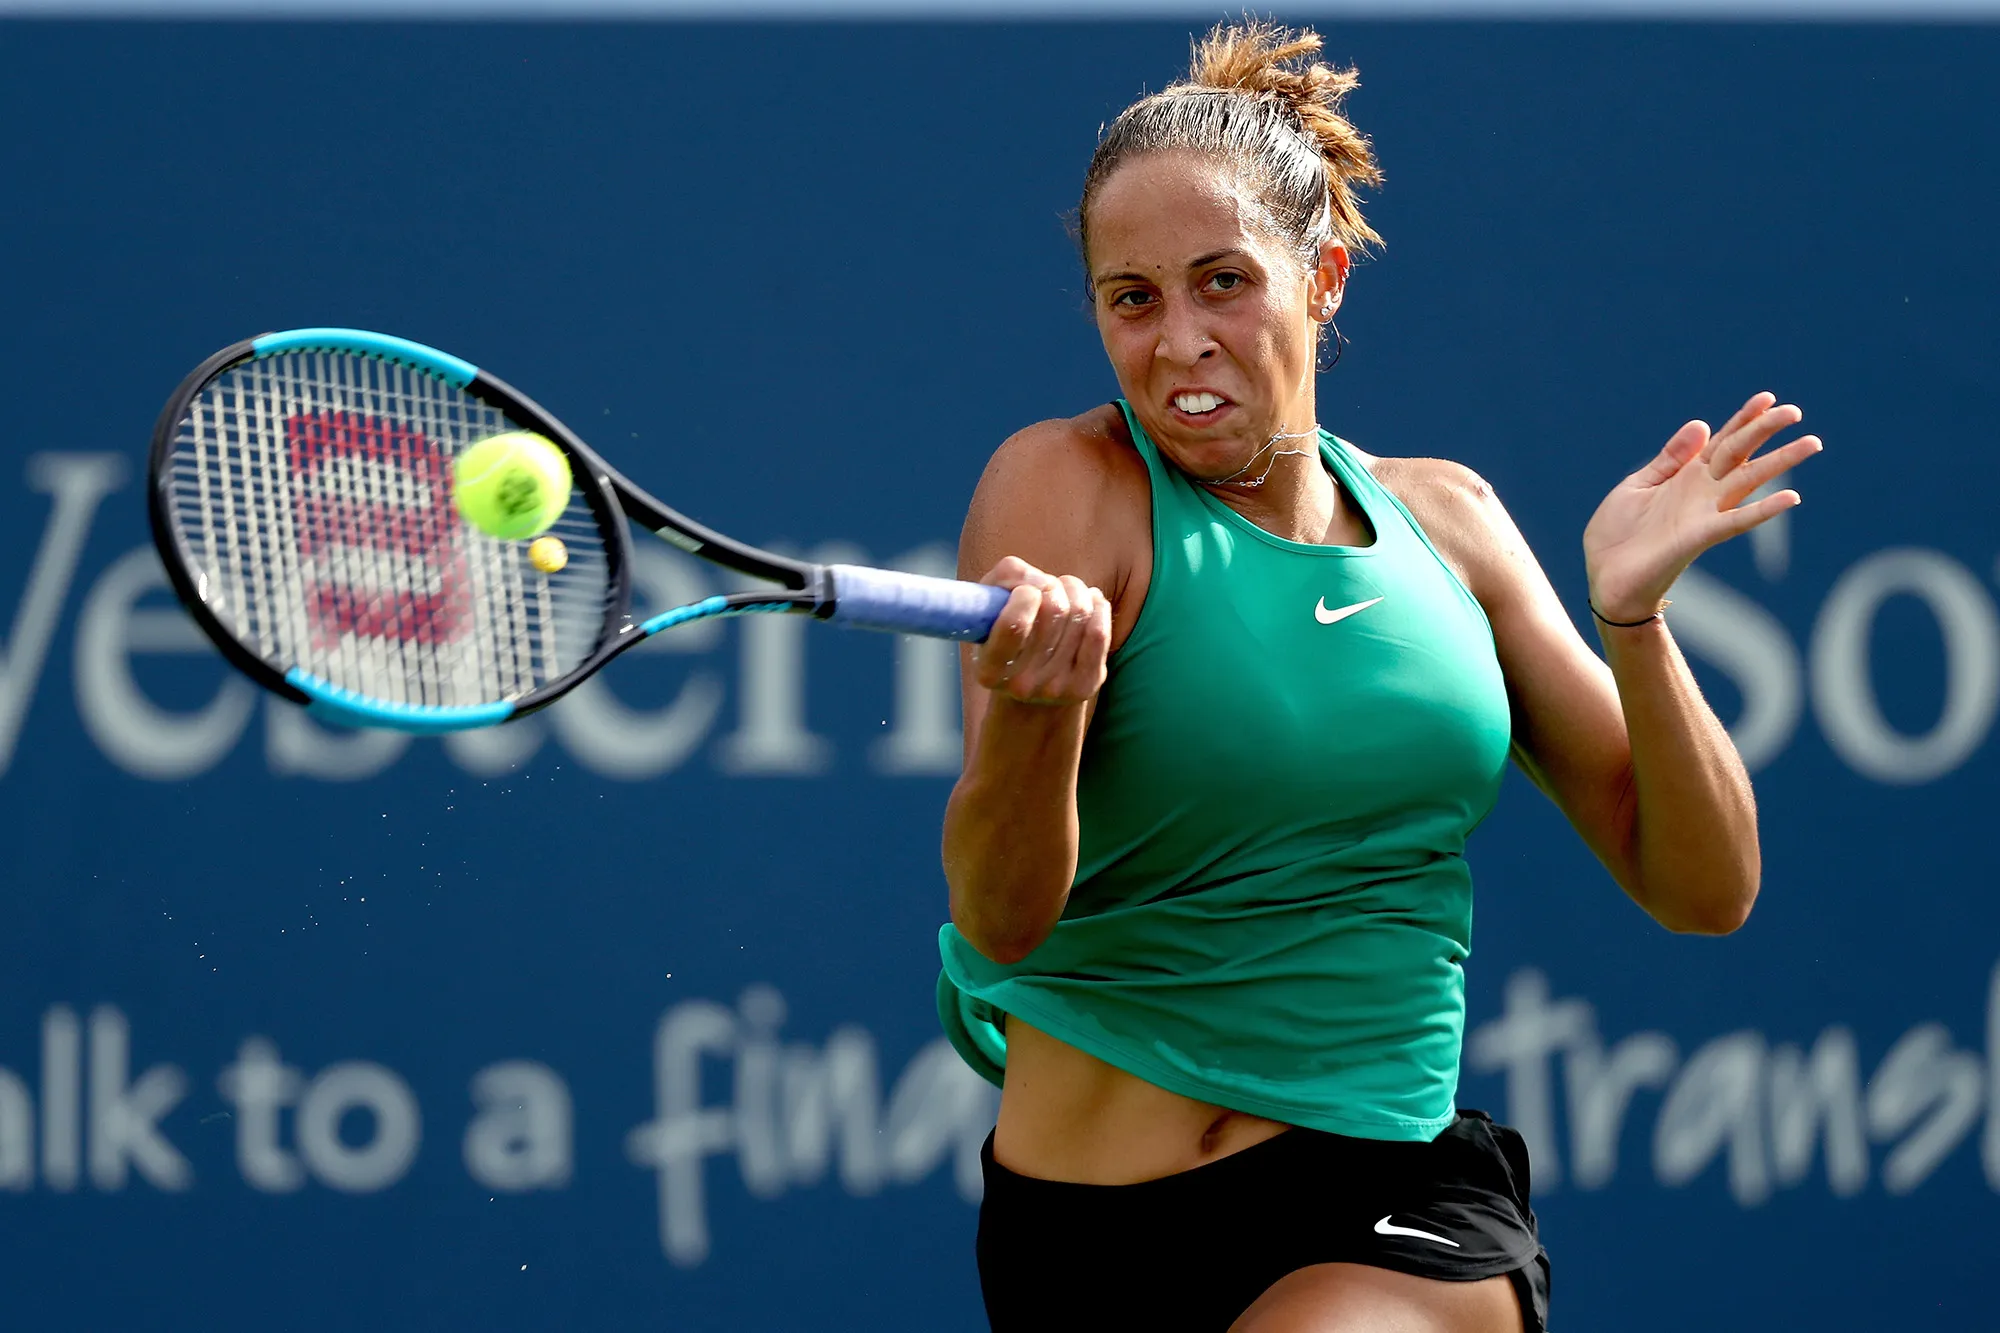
<point>1284,488</point>
<point>1298,500</point>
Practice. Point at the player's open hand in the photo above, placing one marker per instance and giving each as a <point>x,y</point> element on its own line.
<point>1052,639</point>
<point>1689,498</point>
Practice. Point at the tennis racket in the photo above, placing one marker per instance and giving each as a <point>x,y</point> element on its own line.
<point>301,500</point>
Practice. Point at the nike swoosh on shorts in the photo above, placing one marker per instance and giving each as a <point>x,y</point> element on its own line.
<point>1384,1228</point>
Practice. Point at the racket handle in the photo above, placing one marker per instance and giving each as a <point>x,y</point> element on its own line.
<point>914,603</point>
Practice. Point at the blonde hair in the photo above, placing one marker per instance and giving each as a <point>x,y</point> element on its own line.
<point>1255,98</point>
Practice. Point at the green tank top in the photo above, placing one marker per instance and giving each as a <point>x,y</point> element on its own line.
<point>1272,907</point>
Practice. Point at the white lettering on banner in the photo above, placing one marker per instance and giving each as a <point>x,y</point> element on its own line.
<point>1600,1091</point>
<point>924,736</point>
<point>771,736</point>
<point>1844,692</point>
<point>521,1138</point>
<point>1758,1107</point>
<point>259,1086</point>
<point>358,1085</point>
<point>125,1116</point>
<point>1715,1103</point>
<point>826,1099</point>
<point>760,1142</point>
<point>17,1133</point>
<point>297,746</point>
<point>62,1098</point>
<point>798,1112</point>
<point>139,736</point>
<point>1520,1041</point>
<point>1989,1153</point>
<point>1724,627</point>
<point>1771,540</point>
<point>1819,1097</point>
<point>796,1108</point>
<point>621,742</point>
<point>1728,630</point>
<point>684,1133</point>
<point>78,482</point>
<point>492,752</point>
<point>1922,1083</point>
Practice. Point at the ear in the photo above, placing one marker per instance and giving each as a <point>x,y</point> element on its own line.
<point>1327,284</point>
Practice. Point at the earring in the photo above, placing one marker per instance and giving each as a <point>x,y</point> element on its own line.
<point>1336,344</point>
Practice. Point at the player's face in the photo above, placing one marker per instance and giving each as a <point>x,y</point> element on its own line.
<point>1204,315</point>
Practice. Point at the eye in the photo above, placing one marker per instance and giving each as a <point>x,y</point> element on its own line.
<point>1132,298</point>
<point>1226,281</point>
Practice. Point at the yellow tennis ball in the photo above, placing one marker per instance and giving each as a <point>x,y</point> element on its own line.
<point>548,554</point>
<point>511,486</point>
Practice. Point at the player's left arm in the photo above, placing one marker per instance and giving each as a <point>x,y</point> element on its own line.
<point>1625,745</point>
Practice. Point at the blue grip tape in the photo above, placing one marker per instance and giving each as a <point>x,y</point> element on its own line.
<point>458,373</point>
<point>705,609</point>
<point>914,603</point>
<point>680,615</point>
<point>345,708</point>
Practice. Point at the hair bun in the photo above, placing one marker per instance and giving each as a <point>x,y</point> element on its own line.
<point>1271,60</point>
<point>1255,98</point>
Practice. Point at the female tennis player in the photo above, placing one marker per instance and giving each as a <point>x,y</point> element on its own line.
<point>1251,691</point>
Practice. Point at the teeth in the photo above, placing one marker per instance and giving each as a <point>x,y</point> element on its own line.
<point>1197,402</point>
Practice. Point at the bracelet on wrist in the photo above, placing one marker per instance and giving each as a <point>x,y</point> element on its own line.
<point>1627,624</point>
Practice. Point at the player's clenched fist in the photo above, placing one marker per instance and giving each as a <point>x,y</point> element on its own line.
<point>1051,641</point>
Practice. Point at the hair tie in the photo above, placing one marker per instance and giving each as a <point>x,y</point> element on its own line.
<point>1628,624</point>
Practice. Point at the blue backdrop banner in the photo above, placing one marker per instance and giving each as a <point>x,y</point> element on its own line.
<point>621,1016</point>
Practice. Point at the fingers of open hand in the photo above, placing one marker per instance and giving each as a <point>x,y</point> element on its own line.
<point>1735,522</point>
<point>1756,405</point>
<point>1685,444</point>
<point>1746,435</point>
<point>1760,470</point>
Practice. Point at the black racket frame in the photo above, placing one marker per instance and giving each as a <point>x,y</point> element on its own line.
<point>804,587</point>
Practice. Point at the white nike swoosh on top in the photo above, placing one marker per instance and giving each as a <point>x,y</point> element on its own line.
<point>1326,617</point>
<point>1383,1228</point>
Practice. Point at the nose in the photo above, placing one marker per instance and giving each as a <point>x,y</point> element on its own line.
<point>1184,336</point>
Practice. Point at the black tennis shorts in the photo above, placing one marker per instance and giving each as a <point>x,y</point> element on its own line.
<point>1193,1251</point>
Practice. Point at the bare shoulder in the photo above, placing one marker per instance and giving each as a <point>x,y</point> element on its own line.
<point>1462,516</point>
<point>1082,457</point>
<point>1069,496</point>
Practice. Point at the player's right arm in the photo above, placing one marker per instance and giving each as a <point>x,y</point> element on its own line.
<point>1060,517</point>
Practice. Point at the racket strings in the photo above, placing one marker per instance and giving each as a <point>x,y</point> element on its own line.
<point>312,491</point>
